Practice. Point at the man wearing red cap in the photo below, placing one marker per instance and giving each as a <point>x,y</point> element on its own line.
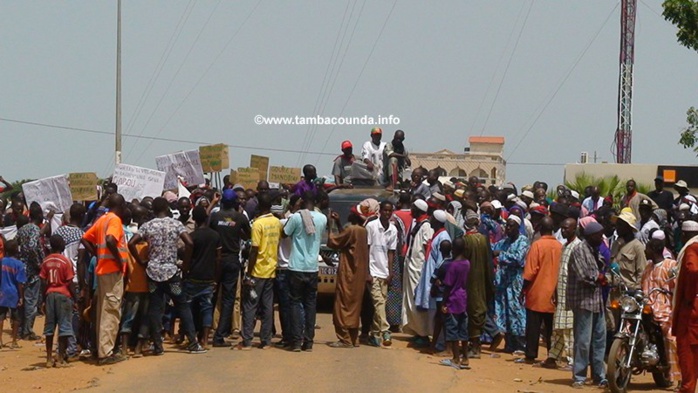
<point>372,154</point>
<point>342,164</point>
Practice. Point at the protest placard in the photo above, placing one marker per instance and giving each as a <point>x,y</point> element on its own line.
<point>261,163</point>
<point>51,190</point>
<point>186,164</point>
<point>214,158</point>
<point>83,186</point>
<point>247,177</point>
<point>135,182</point>
<point>280,174</point>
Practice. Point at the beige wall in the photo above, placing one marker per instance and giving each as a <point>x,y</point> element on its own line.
<point>641,173</point>
<point>486,148</point>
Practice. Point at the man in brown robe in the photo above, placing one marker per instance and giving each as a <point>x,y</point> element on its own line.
<point>352,242</point>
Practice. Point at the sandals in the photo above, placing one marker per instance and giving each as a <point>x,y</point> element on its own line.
<point>450,363</point>
<point>339,344</point>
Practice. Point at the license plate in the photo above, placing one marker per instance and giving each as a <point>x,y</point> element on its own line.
<point>328,270</point>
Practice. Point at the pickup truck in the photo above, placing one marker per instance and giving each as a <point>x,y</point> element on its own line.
<point>342,201</point>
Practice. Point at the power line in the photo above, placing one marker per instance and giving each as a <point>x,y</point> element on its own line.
<point>323,96</point>
<point>186,57</point>
<point>161,63</point>
<point>494,72</point>
<point>562,83</point>
<point>506,69</point>
<point>334,80</point>
<point>153,138</point>
<point>363,68</point>
<point>186,97</point>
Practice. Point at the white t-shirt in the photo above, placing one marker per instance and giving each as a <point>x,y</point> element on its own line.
<point>375,154</point>
<point>285,245</point>
<point>381,241</point>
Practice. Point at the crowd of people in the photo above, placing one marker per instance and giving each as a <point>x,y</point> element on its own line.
<point>456,265</point>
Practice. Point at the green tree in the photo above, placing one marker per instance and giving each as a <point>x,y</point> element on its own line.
<point>683,14</point>
<point>688,135</point>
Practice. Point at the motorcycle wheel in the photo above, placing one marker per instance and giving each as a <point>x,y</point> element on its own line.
<point>618,375</point>
<point>661,378</point>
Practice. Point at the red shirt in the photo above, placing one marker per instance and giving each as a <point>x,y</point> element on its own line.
<point>57,270</point>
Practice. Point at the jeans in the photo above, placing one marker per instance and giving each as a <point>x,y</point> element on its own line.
<point>283,295</point>
<point>264,303</point>
<point>32,297</point>
<point>200,297</point>
<point>589,343</point>
<point>229,280</point>
<point>156,307</point>
<point>303,299</point>
<point>134,314</point>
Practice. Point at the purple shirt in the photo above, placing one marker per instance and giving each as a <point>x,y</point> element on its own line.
<point>456,277</point>
<point>302,186</point>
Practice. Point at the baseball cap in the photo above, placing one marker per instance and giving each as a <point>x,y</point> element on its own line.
<point>681,184</point>
<point>346,145</point>
<point>376,130</point>
<point>659,178</point>
<point>229,196</point>
<point>646,203</point>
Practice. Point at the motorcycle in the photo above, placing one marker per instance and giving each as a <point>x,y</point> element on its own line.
<point>639,344</point>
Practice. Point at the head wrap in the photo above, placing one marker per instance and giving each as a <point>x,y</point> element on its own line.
<point>421,205</point>
<point>658,234</point>
<point>471,215</point>
<point>440,216</point>
<point>516,219</point>
<point>583,222</point>
<point>661,217</point>
<point>367,208</point>
<point>521,204</point>
<point>689,226</point>
<point>170,196</point>
<point>592,228</point>
<point>496,204</point>
<point>527,194</point>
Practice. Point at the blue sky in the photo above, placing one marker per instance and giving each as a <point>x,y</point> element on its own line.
<point>542,74</point>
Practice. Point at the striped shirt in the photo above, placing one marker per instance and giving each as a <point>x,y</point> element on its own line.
<point>583,290</point>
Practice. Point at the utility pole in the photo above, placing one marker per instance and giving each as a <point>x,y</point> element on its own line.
<point>117,147</point>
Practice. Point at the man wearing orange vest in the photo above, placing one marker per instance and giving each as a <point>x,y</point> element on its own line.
<point>685,317</point>
<point>106,240</point>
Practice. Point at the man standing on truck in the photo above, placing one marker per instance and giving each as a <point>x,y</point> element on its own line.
<point>341,168</point>
<point>395,160</point>
<point>372,154</point>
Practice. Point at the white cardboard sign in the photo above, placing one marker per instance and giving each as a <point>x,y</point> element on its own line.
<point>135,182</point>
<point>186,164</point>
<point>51,190</point>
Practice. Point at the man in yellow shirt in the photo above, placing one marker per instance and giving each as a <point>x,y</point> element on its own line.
<point>258,290</point>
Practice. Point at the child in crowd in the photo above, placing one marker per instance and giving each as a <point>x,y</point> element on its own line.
<point>454,306</point>
<point>12,279</point>
<point>57,275</point>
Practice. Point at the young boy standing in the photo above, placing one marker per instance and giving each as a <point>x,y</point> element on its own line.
<point>57,275</point>
<point>382,242</point>
<point>455,299</point>
<point>12,282</point>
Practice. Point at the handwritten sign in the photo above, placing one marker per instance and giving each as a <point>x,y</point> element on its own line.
<point>51,190</point>
<point>186,164</point>
<point>280,174</point>
<point>246,177</point>
<point>214,158</point>
<point>83,186</point>
<point>261,163</point>
<point>135,182</point>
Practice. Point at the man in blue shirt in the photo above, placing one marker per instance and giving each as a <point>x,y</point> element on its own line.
<point>12,280</point>
<point>305,229</point>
